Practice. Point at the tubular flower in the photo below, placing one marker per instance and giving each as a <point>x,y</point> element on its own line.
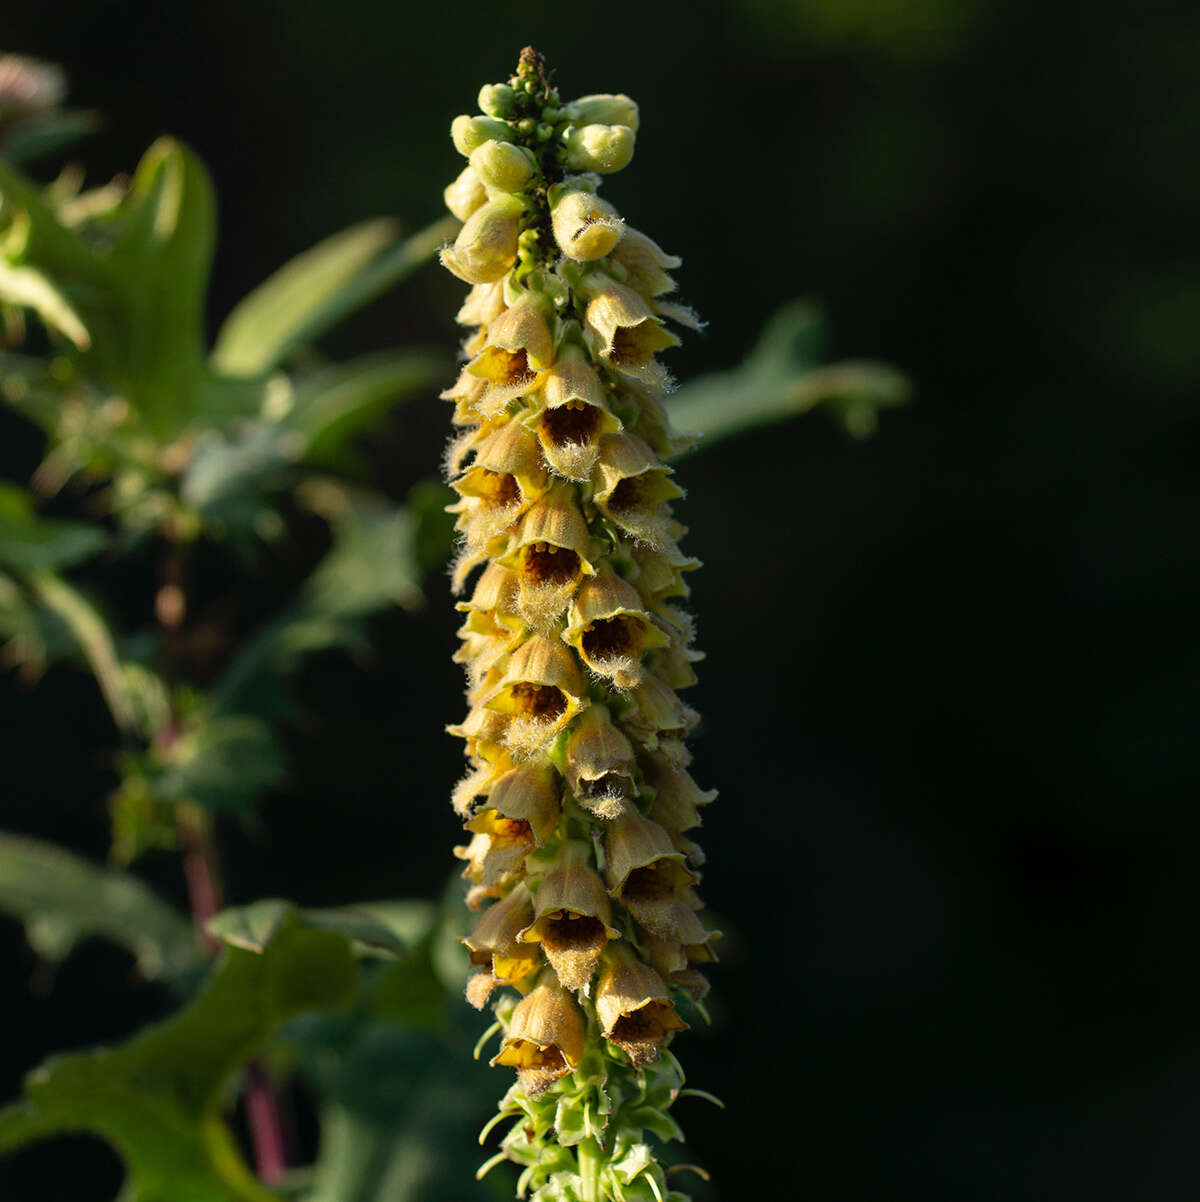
<point>577,801</point>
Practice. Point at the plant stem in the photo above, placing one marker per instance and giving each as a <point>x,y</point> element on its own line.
<point>206,884</point>
<point>591,1159</point>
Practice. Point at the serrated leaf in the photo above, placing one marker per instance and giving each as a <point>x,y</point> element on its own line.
<point>158,1098</point>
<point>30,289</point>
<point>221,766</point>
<point>63,898</point>
<point>780,379</point>
<point>254,926</point>
<point>160,266</point>
<point>272,321</point>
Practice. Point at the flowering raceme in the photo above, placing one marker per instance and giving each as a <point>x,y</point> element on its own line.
<point>578,801</point>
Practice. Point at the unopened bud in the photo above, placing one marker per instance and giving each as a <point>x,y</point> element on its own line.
<point>470,132</point>
<point>606,108</point>
<point>503,165</point>
<point>465,195</point>
<point>603,148</point>
<point>496,99</point>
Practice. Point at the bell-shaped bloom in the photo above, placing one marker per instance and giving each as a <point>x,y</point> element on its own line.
<point>495,947</point>
<point>624,332</point>
<point>540,691</point>
<point>484,303</point>
<point>528,792</point>
<point>633,488</point>
<point>546,1036</point>
<point>497,850</point>
<point>600,766</point>
<point>633,1005</point>
<point>571,415</point>
<point>645,264</point>
<point>610,629</point>
<point>508,474</point>
<point>551,554</point>
<point>658,714</point>
<point>486,246</point>
<point>646,871</point>
<point>572,916</point>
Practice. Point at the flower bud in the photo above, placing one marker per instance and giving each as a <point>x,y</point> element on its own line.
<point>585,227</point>
<point>546,1036</point>
<point>469,133</point>
<point>643,261</point>
<point>602,148</point>
<point>633,1005</point>
<point>604,107</point>
<point>497,99</point>
<point>466,194</point>
<point>503,165</point>
<point>483,304</point>
<point>486,246</point>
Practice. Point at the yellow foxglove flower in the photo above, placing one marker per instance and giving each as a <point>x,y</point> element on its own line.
<point>578,802</point>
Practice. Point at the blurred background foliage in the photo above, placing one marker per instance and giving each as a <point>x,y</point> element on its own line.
<point>950,691</point>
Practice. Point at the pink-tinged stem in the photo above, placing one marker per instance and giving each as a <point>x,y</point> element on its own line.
<point>201,869</point>
<point>266,1126</point>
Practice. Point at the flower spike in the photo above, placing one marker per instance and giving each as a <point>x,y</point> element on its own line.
<point>577,801</point>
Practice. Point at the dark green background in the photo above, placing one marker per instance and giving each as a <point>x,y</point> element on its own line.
<point>951,689</point>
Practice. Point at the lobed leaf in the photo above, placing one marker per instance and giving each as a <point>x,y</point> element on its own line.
<point>780,379</point>
<point>159,268</point>
<point>254,926</point>
<point>158,1098</point>
<point>63,898</point>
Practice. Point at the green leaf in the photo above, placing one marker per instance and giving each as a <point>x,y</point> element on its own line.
<point>39,136</point>
<point>33,543</point>
<point>222,765</point>
<point>779,379</point>
<point>63,898</point>
<point>95,640</point>
<point>254,926</point>
<point>58,252</point>
<point>372,563</point>
<point>160,266</point>
<point>311,294</point>
<point>158,1098</point>
<point>272,321</point>
<point>29,288</point>
<point>335,404</point>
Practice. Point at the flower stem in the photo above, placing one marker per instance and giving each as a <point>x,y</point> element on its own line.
<point>591,1160</point>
